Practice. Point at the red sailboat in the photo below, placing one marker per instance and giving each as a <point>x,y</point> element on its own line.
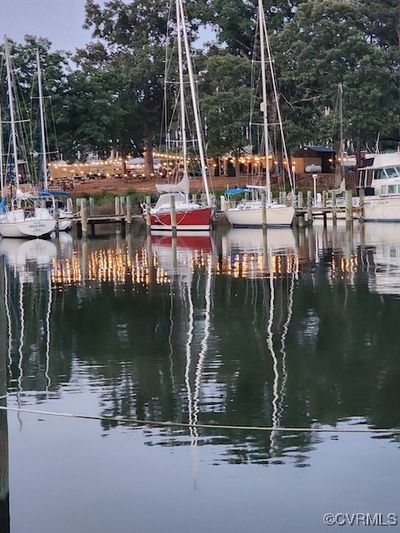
<point>190,216</point>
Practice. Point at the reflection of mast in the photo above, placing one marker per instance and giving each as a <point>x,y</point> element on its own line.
<point>50,299</point>
<point>4,483</point>
<point>270,344</point>
<point>204,346</point>
<point>21,346</point>
<point>286,325</point>
<point>200,362</point>
<point>277,394</point>
<point>7,308</point>
<point>189,359</point>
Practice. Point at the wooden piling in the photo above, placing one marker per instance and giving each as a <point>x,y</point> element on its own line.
<point>128,211</point>
<point>324,198</point>
<point>91,206</point>
<point>300,199</point>
<point>70,205</point>
<point>284,198</point>
<point>264,211</point>
<point>148,217</point>
<point>84,217</point>
<point>349,207</point>
<point>57,218</point>
<point>309,208</point>
<point>117,205</point>
<point>334,213</point>
<point>325,215</point>
<point>173,216</point>
<point>362,202</point>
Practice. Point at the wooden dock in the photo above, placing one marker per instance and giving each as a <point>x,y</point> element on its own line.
<point>305,212</point>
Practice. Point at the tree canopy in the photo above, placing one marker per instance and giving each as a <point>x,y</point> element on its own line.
<point>110,94</point>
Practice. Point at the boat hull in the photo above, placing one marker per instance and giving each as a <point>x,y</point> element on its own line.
<point>252,217</point>
<point>186,220</point>
<point>27,229</point>
<point>382,209</point>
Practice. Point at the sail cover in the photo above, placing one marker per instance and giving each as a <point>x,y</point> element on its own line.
<point>182,186</point>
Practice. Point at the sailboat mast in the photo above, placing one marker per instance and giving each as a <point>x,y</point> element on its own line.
<point>42,125</point>
<point>341,130</point>
<point>196,111</point>
<point>261,17</point>
<point>179,23</point>
<point>278,108</point>
<point>12,112</point>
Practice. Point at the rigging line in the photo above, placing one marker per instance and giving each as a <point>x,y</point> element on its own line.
<point>164,119</point>
<point>275,89</point>
<point>186,425</point>
<point>54,126</point>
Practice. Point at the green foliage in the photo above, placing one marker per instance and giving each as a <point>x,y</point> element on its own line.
<point>323,45</point>
<point>111,94</point>
<point>226,93</point>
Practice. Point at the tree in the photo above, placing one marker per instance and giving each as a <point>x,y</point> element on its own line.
<point>225,101</point>
<point>236,21</point>
<point>131,41</point>
<point>55,70</point>
<point>323,45</point>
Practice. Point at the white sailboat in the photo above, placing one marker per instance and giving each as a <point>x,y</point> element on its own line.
<point>24,216</point>
<point>248,213</point>
<point>190,216</point>
<point>61,205</point>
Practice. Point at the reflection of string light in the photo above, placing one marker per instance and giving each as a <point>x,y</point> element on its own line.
<point>109,266</point>
<point>120,266</point>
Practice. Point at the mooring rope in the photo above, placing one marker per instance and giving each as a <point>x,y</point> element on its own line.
<point>186,425</point>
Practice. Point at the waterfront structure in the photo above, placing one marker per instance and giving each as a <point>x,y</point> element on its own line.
<point>380,179</point>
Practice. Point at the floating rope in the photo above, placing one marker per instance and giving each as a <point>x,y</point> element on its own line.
<point>186,425</point>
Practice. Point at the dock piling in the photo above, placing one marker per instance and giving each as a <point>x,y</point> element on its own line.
<point>173,216</point>
<point>334,213</point>
<point>148,217</point>
<point>362,200</point>
<point>349,207</point>
<point>300,199</point>
<point>128,211</point>
<point>117,205</point>
<point>84,220</point>
<point>309,208</point>
<point>264,211</point>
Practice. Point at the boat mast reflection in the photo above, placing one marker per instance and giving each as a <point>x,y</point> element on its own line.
<point>181,258</point>
<point>4,352</point>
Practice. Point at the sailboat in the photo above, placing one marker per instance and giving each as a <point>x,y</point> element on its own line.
<point>248,213</point>
<point>25,215</point>
<point>61,205</point>
<point>190,216</point>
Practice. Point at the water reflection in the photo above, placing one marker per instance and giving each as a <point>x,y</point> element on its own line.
<point>288,329</point>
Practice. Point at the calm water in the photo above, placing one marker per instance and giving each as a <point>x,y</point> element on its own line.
<point>298,330</point>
